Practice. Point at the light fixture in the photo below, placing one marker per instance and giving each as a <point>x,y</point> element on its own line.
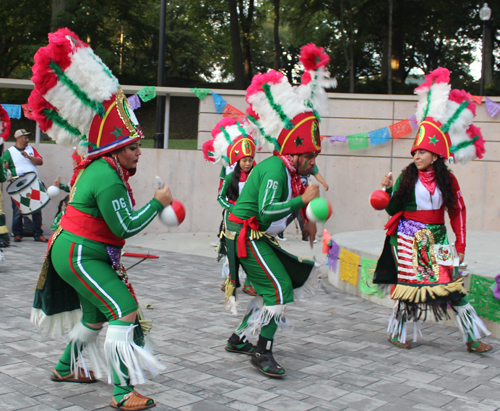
<point>485,12</point>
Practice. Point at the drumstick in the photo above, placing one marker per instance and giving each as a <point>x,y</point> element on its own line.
<point>58,178</point>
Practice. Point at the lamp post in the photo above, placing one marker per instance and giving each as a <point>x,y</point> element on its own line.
<point>160,102</point>
<point>484,15</point>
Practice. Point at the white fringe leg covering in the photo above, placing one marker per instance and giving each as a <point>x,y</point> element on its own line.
<point>119,347</point>
<point>469,322</point>
<point>55,325</point>
<point>260,317</point>
<point>232,305</point>
<point>310,286</point>
<point>83,338</point>
<point>397,324</point>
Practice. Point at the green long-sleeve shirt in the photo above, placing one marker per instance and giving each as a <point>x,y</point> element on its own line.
<point>101,193</point>
<point>222,197</point>
<point>267,194</point>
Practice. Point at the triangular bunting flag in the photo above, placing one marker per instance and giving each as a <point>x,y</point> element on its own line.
<point>477,99</point>
<point>333,139</point>
<point>492,108</point>
<point>357,141</point>
<point>219,102</point>
<point>413,122</point>
<point>379,136</point>
<point>401,128</point>
<point>233,112</point>
<point>13,110</point>
<point>201,93</point>
<point>27,111</point>
<point>134,102</point>
<point>349,263</point>
<point>147,93</point>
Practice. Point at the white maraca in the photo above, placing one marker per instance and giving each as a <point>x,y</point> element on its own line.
<point>173,214</point>
<point>53,191</point>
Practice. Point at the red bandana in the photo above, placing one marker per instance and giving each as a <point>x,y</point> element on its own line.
<point>123,173</point>
<point>243,176</point>
<point>428,179</point>
<point>297,186</point>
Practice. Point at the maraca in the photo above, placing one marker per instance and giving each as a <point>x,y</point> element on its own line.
<point>380,199</point>
<point>319,210</point>
<point>173,214</point>
<point>53,191</point>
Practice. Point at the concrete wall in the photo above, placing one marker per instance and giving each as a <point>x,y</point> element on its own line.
<point>352,175</point>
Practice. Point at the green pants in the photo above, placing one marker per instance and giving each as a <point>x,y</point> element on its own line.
<point>87,268</point>
<point>267,273</point>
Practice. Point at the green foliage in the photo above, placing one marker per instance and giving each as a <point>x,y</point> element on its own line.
<point>124,33</point>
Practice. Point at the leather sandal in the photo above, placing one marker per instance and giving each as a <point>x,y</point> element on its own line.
<point>249,290</point>
<point>478,346</point>
<point>133,402</point>
<point>395,341</point>
<point>80,377</point>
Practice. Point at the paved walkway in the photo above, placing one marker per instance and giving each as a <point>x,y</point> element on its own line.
<point>337,357</point>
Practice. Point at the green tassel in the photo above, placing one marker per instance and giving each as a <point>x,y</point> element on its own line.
<point>464,144</point>
<point>77,91</point>
<point>226,135</point>
<point>270,139</point>
<point>89,144</point>
<point>226,158</point>
<point>61,122</point>
<point>428,101</point>
<point>445,128</point>
<point>277,107</point>
<point>242,130</point>
<point>105,69</point>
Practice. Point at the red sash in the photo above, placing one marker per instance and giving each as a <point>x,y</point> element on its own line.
<point>243,235</point>
<point>93,228</point>
<point>422,216</point>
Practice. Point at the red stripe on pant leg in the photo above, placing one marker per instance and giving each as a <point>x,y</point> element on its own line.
<point>85,284</point>
<point>263,269</point>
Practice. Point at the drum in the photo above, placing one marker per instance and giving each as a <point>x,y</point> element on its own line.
<point>28,193</point>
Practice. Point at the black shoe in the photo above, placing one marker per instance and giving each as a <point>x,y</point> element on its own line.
<point>263,359</point>
<point>265,363</point>
<point>235,344</point>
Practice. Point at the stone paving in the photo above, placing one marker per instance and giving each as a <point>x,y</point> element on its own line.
<point>337,357</point>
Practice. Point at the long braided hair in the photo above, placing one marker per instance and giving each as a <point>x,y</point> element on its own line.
<point>443,182</point>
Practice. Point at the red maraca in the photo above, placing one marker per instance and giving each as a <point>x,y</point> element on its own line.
<point>380,199</point>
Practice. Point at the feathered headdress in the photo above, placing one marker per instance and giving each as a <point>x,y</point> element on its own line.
<point>288,117</point>
<point>230,143</point>
<point>445,118</point>
<point>77,101</point>
<point>4,125</point>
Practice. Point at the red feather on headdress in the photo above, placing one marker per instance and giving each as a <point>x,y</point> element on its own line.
<point>313,57</point>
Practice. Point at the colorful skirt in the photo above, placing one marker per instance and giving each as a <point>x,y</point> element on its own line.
<point>427,265</point>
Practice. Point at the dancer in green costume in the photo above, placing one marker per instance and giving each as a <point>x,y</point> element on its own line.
<point>288,118</point>
<point>82,273</point>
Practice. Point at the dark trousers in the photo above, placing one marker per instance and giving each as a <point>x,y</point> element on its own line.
<point>298,216</point>
<point>17,222</point>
